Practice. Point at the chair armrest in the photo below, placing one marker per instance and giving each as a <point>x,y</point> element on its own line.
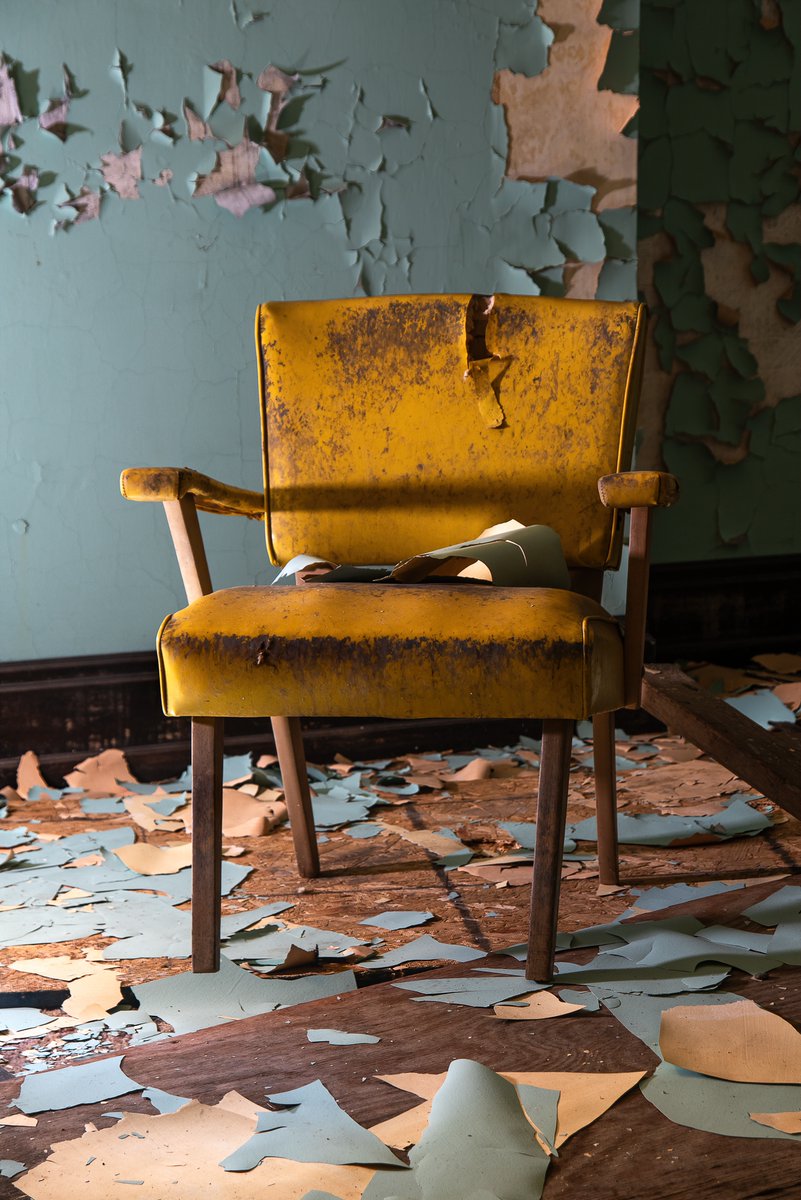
<point>175,483</point>
<point>638,489</point>
<point>183,492</point>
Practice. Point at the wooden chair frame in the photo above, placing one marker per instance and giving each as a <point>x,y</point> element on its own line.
<point>182,493</point>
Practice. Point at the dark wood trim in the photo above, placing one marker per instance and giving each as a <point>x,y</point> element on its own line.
<point>355,739</point>
<point>724,609</point>
<point>66,709</point>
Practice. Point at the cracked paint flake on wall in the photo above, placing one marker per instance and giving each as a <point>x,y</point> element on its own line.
<point>566,252</point>
<point>720,267</point>
<point>232,178</point>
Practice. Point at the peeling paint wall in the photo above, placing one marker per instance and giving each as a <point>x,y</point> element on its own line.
<point>194,158</point>
<point>720,267</point>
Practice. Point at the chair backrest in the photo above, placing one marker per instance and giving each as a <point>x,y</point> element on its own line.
<point>397,424</point>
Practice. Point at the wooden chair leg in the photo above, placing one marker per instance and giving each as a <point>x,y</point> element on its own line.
<point>557,738</point>
<point>603,748</point>
<point>207,755</point>
<point>292,761</point>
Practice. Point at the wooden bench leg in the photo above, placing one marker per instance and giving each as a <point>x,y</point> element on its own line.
<point>207,754</point>
<point>603,750</point>
<point>292,761</point>
<point>557,738</point>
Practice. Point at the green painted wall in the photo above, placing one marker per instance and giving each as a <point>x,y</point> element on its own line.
<point>127,339</point>
<point>720,258</point>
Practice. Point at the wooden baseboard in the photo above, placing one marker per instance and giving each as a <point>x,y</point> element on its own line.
<point>355,739</point>
<point>68,708</point>
<point>725,609</point>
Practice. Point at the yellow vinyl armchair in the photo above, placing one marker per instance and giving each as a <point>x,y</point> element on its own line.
<point>390,426</point>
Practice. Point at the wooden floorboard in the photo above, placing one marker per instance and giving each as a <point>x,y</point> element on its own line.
<point>632,1151</point>
<point>360,878</point>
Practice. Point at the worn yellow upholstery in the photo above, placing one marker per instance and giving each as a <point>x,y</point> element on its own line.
<point>638,489</point>
<point>396,424</point>
<point>392,425</point>
<point>173,483</point>
<point>391,650</point>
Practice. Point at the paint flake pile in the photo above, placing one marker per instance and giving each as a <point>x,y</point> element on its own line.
<point>726,1066</point>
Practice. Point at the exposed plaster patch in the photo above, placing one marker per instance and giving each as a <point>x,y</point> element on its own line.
<point>232,181</point>
<point>226,89</point>
<point>540,110</point>
<point>54,118</point>
<point>723,452</point>
<point>196,127</point>
<point>86,206</point>
<point>279,85</point>
<point>774,343</point>
<point>581,280</point>
<point>122,172</point>
<point>10,113</point>
<point>24,189</point>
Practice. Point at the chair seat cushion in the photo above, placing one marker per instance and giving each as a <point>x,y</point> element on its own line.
<point>405,651</point>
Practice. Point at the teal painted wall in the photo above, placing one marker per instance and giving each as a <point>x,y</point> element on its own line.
<point>720,264</point>
<point>126,340</point>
